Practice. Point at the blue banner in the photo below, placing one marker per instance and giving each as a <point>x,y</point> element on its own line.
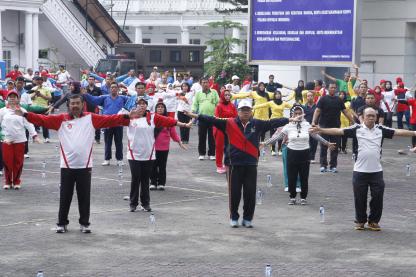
<point>2,70</point>
<point>302,31</point>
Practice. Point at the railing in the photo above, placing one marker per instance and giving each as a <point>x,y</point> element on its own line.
<point>164,5</point>
<point>73,31</point>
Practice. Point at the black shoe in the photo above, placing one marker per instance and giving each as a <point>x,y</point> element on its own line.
<point>146,208</point>
<point>161,187</point>
<point>133,208</point>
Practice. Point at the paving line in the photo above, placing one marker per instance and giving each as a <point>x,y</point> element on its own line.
<point>112,210</point>
<point>116,180</point>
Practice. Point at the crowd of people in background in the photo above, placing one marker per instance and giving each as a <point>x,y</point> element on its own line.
<point>233,119</point>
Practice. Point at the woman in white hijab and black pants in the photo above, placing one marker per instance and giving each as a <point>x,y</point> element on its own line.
<point>298,161</point>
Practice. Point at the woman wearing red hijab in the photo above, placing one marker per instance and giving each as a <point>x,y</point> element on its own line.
<point>224,109</point>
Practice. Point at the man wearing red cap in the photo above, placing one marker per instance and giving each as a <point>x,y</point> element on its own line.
<point>13,147</point>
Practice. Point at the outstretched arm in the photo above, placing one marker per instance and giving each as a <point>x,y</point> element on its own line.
<point>327,131</point>
<point>332,78</point>
<point>404,133</point>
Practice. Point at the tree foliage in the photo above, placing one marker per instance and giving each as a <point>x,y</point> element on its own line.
<point>223,61</point>
<point>239,6</point>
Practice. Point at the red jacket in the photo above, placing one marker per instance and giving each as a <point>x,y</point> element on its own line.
<point>224,109</point>
<point>401,95</point>
<point>14,74</point>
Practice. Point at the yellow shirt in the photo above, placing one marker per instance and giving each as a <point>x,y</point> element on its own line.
<point>292,96</point>
<point>277,110</point>
<point>351,90</point>
<point>261,113</point>
<point>345,122</point>
<point>39,101</point>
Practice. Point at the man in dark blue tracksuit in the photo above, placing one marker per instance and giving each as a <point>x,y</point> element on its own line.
<point>242,138</point>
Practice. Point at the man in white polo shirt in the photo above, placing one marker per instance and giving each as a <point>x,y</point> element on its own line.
<point>367,168</point>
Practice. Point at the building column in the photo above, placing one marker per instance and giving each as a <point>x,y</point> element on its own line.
<point>138,38</point>
<point>1,39</point>
<point>236,47</point>
<point>185,35</point>
<point>35,34</point>
<point>28,39</point>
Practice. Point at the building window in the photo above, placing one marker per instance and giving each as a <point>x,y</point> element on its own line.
<point>175,56</point>
<point>195,41</point>
<point>171,41</point>
<point>146,40</point>
<point>43,53</point>
<point>7,57</point>
<point>194,56</point>
<point>155,56</point>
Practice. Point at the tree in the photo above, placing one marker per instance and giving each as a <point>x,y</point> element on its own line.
<point>223,61</point>
<point>239,6</point>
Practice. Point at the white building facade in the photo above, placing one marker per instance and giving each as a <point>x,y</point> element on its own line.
<point>388,45</point>
<point>46,33</point>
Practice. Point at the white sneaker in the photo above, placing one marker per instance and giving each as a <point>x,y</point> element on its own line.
<point>1,173</point>
<point>201,158</point>
<point>292,201</point>
<point>303,202</point>
<point>273,153</point>
<point>6,186</point>
<point>286,189</point>
<point>212,158</point>
<point>46,140</point>
<point>280,153</point>
<point>120,163</point>
<point>26,156</point>
<point>106,162</point>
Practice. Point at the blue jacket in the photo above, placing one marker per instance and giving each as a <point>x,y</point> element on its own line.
<point>110,105</point>
<point>239,150</point>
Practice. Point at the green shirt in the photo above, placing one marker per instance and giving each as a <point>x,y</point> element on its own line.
<point>205,103</point>
<point>343,85</point>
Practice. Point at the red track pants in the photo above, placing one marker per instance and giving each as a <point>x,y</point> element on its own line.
<point>13,156</point>
<point>219,147</point>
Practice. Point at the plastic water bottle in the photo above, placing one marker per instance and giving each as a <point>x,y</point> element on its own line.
<point>259,196</point>
<point>44,173</point>
<point>269,181</point>
<point>322,213</point>
<point>263,155</point>
<point>40,274</point>
<point>268,271</point>
<point>408,170</point>
<point>120,175</point>
<point>152,223</point>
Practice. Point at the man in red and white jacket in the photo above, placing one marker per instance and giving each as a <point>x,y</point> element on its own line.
<point>76,131</point>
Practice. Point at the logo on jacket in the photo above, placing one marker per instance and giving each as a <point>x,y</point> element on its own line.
<point>69,126</point>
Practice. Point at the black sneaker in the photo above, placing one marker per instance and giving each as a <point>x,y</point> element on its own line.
<point>60,229</point>
<point>84,229</point>
<point>161,187</point>
<point>146,208</point>
<point>133,208</point>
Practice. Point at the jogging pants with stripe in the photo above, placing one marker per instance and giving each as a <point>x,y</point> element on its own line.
<point>81,178</point>
<point>13,156</point>
<point>361,181</point>
<point>140,176</point>
<point>243,178</point>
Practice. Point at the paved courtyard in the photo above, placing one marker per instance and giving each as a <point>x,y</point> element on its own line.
<point>193,237</point>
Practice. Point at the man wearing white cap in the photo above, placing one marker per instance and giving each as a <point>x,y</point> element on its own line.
<point>242,138</point>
